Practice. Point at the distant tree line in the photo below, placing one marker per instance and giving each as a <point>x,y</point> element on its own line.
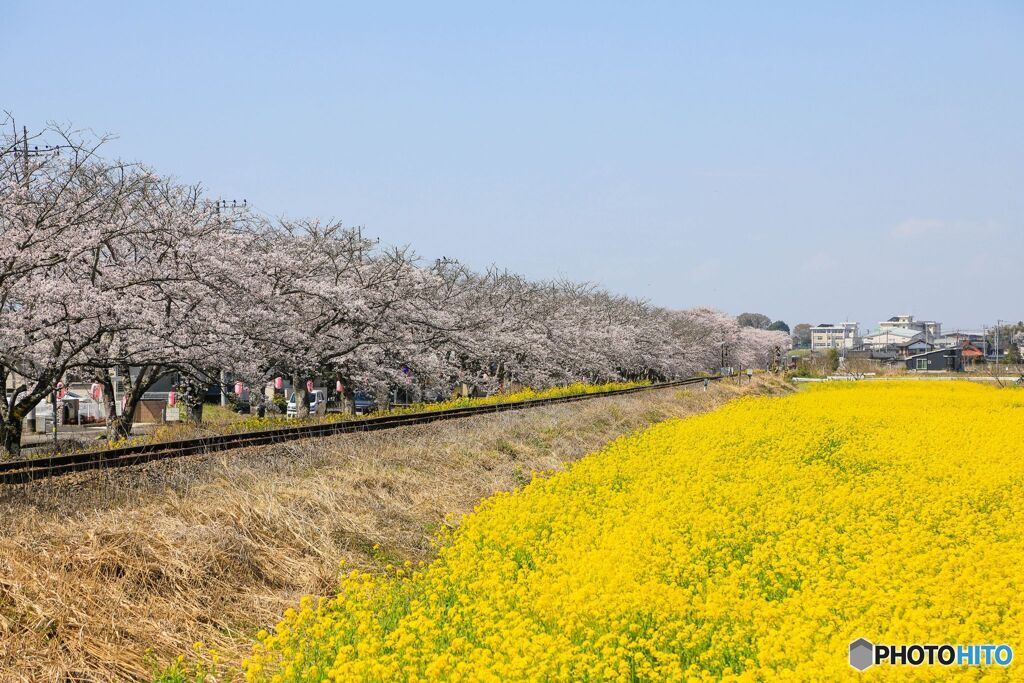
<point>759,321</point>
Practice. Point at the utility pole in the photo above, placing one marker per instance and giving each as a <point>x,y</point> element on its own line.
<point>54,397</point>
<point>233,206</point>
<point>26,171</point>
<point>998,323</point>
<point>24,179</point>
<point>24,153</point>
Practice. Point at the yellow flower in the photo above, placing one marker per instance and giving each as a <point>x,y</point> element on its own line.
<point>752,543</point>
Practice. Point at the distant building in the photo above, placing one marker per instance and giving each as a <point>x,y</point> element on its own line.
<point>829,336</point>
<point>929,328</point>
<point>890,338</point>
<point>913,347</point>
<point>939,360</point>
<point>959,338</point>
<point>971,354</point>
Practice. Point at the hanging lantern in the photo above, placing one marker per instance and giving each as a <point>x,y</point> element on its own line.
<point>95,391</point>
<point>278,383</point>
<point>238,388</point>
<point>61,390</point>
<point>172,398</point>
<point>339,387</point>
<point>309,385</point>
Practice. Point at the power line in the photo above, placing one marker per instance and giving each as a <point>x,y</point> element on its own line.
<point>223,205</point>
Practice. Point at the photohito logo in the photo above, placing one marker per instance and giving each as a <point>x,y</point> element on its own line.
<point>865,654</point>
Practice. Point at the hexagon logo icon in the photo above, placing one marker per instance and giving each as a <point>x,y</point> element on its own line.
<point>862,654</point>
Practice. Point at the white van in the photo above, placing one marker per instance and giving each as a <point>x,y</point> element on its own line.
<point>317,403</point>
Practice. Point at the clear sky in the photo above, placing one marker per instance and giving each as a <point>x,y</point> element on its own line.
<point>808,161</point>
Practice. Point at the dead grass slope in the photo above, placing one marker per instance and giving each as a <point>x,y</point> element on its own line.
<point>95,569</point>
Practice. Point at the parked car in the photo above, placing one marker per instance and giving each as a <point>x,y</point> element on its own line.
<point>317,403</point>
<point>363,403</point>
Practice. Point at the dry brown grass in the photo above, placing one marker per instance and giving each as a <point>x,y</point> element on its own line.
<point>95,569</point>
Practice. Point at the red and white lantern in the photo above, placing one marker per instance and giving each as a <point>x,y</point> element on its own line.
<point>239,387</point>
<point>172,398</point>
<point>62,391</point>
<point>278,383</point>
<point>95,391</point>
<point>309,385</point>
<point>339,387</point>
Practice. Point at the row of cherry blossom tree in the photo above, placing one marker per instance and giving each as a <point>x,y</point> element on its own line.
<point>107,266</point>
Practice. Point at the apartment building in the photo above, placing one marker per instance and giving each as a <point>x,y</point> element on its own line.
<point>838,336</point>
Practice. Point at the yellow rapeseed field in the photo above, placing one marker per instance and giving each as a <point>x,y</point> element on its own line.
<point>753,543</point>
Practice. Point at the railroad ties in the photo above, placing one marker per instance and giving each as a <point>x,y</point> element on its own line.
<point>29,469</point>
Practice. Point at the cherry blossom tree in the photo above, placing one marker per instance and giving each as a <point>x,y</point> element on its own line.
<point>757,348</point>
<point>57,212</point>
<point>330,301</point>
<point>180,314</point>
<point>109,268</point>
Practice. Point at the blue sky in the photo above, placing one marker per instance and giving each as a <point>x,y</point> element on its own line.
<point>806,160</point>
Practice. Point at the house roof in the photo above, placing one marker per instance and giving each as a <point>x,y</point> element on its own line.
<point>911,342</point>
<point>896,331</point>
<point>961,334</point>
<point>928,353</point>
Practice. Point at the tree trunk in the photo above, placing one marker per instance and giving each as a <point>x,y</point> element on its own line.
<point>113,422</point>
<point>193,394</point>
<point>14,408</point>
<point>10,437</point>
<point>301,397</point>
<point>193,407</point>
<point>120,426</point>
<point>260,405</point>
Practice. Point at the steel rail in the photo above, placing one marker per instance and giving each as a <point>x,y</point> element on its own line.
<point>29,469</point>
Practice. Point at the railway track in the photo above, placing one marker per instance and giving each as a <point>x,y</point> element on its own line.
<point>30,469</point>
